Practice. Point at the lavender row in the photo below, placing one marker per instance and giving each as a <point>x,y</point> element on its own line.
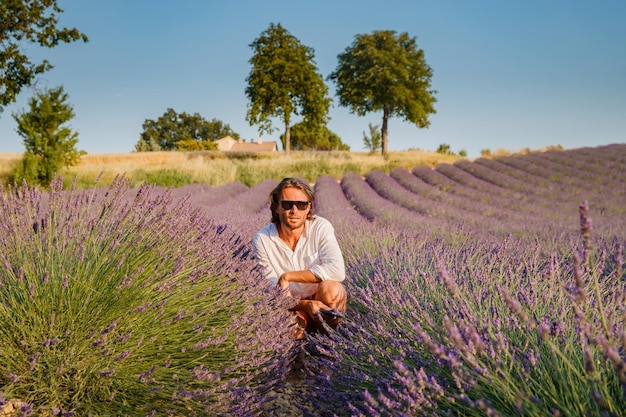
<point>544,192</point>
<point>418,186</point>
<point>445,184</point>
<point>456,174</point>
<point>125,302</point>
<point>477,328</point>
<point>539,201</point>
<point>583,169</point>
<point>568,190</point>
<point>391,190</point>
<point>587,179</point>
<point>609,156</point>
<point>331,203</point>
<point>533,179</point>
<point>498,203</point>
<point>577,166</point>
<point>598,165</point>
<point>504,180</point>
<point>606,193</point>
<point>499,195</point>
<point>566,175</point>
<point>376,208</point>
<point>613,154</point>
<point>201,195</point>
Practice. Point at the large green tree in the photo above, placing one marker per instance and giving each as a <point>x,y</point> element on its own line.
<point>306,138</point>
<point>388,72</point>
<point>24,23</point>
<point>50,144</point>
<point>182,131</point>
<point>284,81</point>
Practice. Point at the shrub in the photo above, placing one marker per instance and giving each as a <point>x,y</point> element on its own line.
<point>124,303</point>
<point>444,149</point>
<point>50,144</point>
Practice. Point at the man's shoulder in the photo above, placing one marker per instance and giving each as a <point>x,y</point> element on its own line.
<point>319,222</point>
<point>268,230</point>
<point>320,219</point>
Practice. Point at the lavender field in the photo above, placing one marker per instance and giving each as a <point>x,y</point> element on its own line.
<point>492,287</point>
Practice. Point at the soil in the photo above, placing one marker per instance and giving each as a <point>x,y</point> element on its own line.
<point>291,397</point>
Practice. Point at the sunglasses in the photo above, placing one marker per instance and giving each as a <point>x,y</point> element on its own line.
<point>288,204</point>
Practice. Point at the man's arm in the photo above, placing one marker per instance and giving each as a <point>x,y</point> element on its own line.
<point>332,266</point>
<point>262,258</point>
<point>305,276</point>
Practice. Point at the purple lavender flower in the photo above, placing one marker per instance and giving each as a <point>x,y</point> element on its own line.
<point>51,342</point>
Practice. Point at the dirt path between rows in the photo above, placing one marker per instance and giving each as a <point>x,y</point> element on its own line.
<point>291,397</point>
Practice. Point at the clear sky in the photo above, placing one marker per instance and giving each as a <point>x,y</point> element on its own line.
<point>508,74</point>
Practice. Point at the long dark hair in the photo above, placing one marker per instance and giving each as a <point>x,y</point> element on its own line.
<point>290,183</point>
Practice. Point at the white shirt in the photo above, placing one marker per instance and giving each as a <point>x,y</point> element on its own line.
<point>317,250</point>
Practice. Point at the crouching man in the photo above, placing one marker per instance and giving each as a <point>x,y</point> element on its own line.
<point>298,251</point>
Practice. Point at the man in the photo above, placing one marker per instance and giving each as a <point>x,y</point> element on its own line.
<point>298,251</point>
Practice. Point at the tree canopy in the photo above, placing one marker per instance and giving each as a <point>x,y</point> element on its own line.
<point>50,144</point>
<point>284,81</point>
<point>306,138</point>
<point>182,131</point>
<point>385,71</point>
<point>23,23</point>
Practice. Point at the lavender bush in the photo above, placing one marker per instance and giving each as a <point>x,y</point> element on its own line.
<point>114,304</point>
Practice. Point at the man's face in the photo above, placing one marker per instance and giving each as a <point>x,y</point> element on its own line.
<point>293,217</point>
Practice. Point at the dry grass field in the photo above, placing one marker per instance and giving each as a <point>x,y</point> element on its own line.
<point>216,168</point>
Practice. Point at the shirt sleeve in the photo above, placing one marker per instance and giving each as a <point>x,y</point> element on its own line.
<point>331,266</point>
<point>263,259</point>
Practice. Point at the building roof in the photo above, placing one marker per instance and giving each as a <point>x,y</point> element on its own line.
<point>227,143</point>
<point>254,146</point>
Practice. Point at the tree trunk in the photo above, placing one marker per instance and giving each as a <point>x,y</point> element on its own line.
<point>383,135</point>
<point>287,137</point>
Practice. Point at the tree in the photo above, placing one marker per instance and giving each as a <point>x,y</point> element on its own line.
<point>174,131</point>
<point>284,81</point>
<point>49,144</point>
<point>305,138</point>
<point>385,71</point>
<point>24,22</point>
<point>372,142</point>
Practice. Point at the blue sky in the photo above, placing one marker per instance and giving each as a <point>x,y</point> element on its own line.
<point>508,74</point>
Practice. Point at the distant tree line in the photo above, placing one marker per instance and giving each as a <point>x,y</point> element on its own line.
<point>382,71</point>
<point>183,132</point>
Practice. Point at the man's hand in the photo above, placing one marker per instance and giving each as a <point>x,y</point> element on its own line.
<point>313,308</point>
<point>283,282</point>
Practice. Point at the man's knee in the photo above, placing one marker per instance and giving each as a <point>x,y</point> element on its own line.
<point>332,293</point>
